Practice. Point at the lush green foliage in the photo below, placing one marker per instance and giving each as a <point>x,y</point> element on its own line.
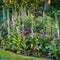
<point>25,34</point>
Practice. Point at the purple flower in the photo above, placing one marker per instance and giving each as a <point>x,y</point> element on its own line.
<point>21,13</point>
<point>41,31</point>
<point>27,31</point>
<point>22,16</point>
<point>54,37</point>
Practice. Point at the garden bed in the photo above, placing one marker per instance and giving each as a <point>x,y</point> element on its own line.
<point>24,34</point>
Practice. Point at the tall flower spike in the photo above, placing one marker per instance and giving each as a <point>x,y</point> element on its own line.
<point>22,15</point>
<point>8,20</point>
<point>54,37</point>
<point>32,34</point>
<point>23,31</point>
<point>4,17</point>
<point>13,22</point>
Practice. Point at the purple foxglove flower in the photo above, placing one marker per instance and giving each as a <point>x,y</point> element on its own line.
<point>22,16</point>
<point>27,31</point>
<point>41,31</point>
<point>21,13</point>
<point>54,37</point>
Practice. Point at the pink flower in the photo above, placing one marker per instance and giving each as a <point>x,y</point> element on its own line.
<point>41,31</point>
<point>21,13</point>
<point>27,31</point>
<point>54,37</point>
<point>35,49</point>
<point>22,16</point>
<point>13,21</point>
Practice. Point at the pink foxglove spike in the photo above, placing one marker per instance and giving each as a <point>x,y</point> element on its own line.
<point>54,37</point>
<point>22,15</point>
<point>13,21</point>
<point>23,31</point>
<point>32,34</point>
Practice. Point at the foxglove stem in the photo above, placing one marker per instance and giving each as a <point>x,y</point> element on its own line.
<point>22,18</point>
<point>23,31</point>
<point>17,29</point>
<point>8,21</point>
<point>57,24</point>
<point>32,33</point>
<point>4,17</point>
<point>8,30</point>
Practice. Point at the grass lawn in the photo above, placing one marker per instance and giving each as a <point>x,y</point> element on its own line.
<point>5,55</point>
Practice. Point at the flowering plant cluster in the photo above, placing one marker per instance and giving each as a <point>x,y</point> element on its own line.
<point>27,35</point>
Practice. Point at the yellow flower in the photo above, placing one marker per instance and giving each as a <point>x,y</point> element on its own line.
<point>49,1</point>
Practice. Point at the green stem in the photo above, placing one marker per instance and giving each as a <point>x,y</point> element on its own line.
<point>57,24</point>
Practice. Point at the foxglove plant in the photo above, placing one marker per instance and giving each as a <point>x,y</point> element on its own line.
<point>13,21</point>
<point>8,22</point>
<point>54,37</point>
<point>46,36</point>
<point>57,23</point>
<point>34,48</point>
<point>41,32</point>
<point>4,17</point>
<point>22,18</point>
<point>23,31</point>
<point>27,31</point>
<point>32,33</point>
